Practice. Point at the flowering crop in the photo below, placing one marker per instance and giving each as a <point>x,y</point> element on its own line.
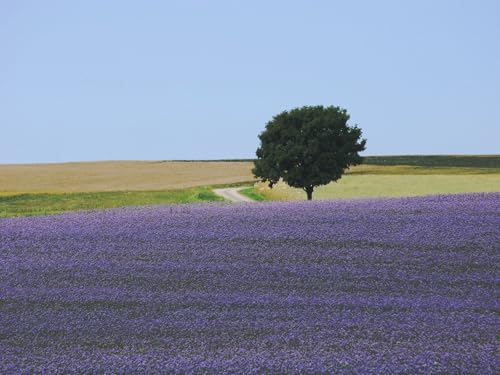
<point>406,285</point>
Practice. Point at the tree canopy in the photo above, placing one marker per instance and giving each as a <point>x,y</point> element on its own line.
<point>308,147</point>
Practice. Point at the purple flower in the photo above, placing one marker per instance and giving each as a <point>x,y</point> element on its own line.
<point>406,285</point>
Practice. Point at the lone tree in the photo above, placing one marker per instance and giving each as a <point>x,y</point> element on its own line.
<point>308,147</point>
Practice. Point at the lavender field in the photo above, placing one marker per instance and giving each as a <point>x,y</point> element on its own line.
<point>403,285</point>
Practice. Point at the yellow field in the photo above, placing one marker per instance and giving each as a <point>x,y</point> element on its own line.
<point>360,181</point>
<point>389,185</point>
<point>418,170</point>
<point>119,176</point>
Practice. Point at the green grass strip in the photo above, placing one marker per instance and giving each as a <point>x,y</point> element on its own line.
<point>251,193</point>
<point>52,203</point>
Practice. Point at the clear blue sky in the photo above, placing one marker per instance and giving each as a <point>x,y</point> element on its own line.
<point>99,80</point>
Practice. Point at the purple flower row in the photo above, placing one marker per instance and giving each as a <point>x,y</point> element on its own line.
<point>406,285</point>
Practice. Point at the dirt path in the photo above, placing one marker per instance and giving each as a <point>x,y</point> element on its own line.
<point>231,194</point>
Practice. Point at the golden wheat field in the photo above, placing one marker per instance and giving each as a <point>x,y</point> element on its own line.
<point>119,176</point>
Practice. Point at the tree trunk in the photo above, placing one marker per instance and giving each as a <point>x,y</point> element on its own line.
<point>309,191</point>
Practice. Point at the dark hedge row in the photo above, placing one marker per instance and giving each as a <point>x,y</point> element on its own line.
<point>465,161</point>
